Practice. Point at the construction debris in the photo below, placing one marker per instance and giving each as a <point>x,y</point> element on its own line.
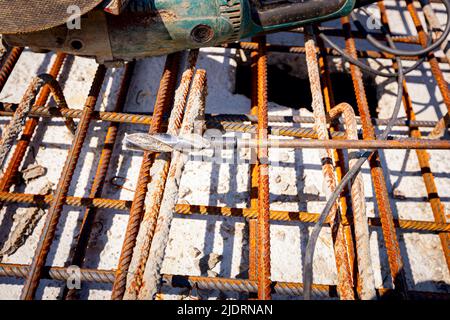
<point>25,222</point>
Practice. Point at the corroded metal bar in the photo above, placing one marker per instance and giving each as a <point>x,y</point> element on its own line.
<point>341,166</point>
<point>195,110</point>
<point>423,156</point>
<point>263,230</point>
<point>54,213</point>
<point>8,65</point>
<point>442,84</point>
<point>185,209</point>
<point>7,109</point>
<point>22,144</point>
<point>379,182</point>
<point>81,242</point>
<point>164,100</point>
<point>331,52</point>
<point>366,282</point>
<point>254,176</point>
<point>157,185</point>
<point>345,272</point>
<point>202,283</point>
<point>14,127</point>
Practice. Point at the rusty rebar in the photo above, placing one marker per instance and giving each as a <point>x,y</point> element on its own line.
<point>16,123</point>
<point>8,65</point>
<point>344,268</point>
<point>22,144</point>
<point>254,175</point>
<point>185,209</point>
<point>423,157</point>
<point>195,110</point>
<point>54,213</point>
<point>164,100</point>
<point>329,51</point>
<point>339,155</point>
<point>366,283</point>
<point>80,246</point>
<point>202,283</point>
<point>160,171</point>
<point>263,233</point>
<point>434,67</point>
<point>379,182</point>
<point>214,120</point>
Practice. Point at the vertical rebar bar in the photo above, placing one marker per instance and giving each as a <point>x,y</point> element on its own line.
<point>345,276</point>
<point>160,171</point>
<point>435,70</point>
<point>164,100</point>
<point>376,169</point>
<point>423,157</point>
<point>263,236</point>
<point>81,243</point>
<point>366,281</point>
<point>22,145</point>
<point>339,157</point>
<point>195,110</point>
<point>254,173</point>
<point>8,65</point>
<point>54,213</point>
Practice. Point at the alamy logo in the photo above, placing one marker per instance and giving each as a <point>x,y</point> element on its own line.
<point>373,23</point>
<point>74,278</point>
<point>74,21</point>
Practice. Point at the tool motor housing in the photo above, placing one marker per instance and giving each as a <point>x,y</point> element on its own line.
<point>158,27</point>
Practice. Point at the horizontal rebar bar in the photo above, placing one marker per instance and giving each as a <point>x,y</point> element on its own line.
<point>185,209</point>
<point>418,144</point>
<point>202,283</point>
<point>330,52</point>
<point>7,109</point>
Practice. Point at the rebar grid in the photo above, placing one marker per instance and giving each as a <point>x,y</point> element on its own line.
<point>352,283</point>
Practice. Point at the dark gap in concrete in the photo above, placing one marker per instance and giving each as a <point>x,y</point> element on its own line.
<point>294,91</point>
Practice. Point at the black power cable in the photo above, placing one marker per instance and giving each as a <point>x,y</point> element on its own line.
<point>422,52</point>
<point>348,178</point>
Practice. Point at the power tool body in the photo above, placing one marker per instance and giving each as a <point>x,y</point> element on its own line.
<point>117,30</point>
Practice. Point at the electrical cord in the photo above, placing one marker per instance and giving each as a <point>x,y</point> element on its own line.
<point>362,65</point>
<point>422,52</point>
<point>310,248</point>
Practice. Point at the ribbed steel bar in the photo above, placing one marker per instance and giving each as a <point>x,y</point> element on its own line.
<point>164,100</point>
<point>263,233</point>
<point>54,213</point>
<point>434,67</point>
<point>22,144</point>
<point>378,179</point>
<point>9,65</point>
<point>214,120</point>
<point>435,24</point>
<point>14,127</point>
<point>185,209</point>
<point>254,176</point>
<point>335,32</point>
<point>403,143</point>
<point>195,111</point>
<point>341,252</point>
<point>203,283</point>
<point>331,52</point>
<point>81,242</point>
<point>423,157</point>
<point>341,165</point>
<point>156,188</point>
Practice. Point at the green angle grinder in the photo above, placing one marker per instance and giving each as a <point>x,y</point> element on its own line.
<point>123,30</point>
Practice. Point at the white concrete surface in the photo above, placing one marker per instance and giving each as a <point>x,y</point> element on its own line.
<point>293,183</point>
